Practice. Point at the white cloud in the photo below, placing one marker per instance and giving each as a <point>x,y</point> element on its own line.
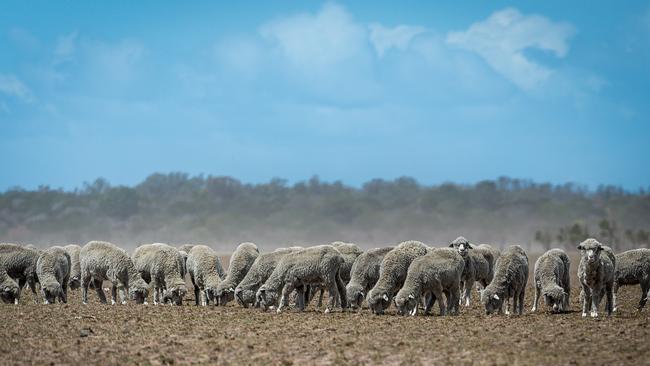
<point>502,39</point>
<point>384,38</point>
<point>12,86</point>
<point>317,41</point>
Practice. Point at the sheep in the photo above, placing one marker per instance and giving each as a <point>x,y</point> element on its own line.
<point>477,267</point>
<point>596,275</point>
<point>163,265</point>
<point>75,269</point>
<point>204,267</point>
<point>552,280</point>
<point>633,268</point>
<point>491,254</point>
<point>102,261</point>
<point>53,271</point>
<point>259,272</point>
<point>240,263</point>
<point>296,270</point>
<point>19,264</point>
<point>186,248</point>
<point>433,274</point>
<point>510,277</point>
<point>392,273</point>
<point>364,275</point>
<point>350,252</point>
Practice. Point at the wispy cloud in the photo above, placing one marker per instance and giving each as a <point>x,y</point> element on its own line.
<point>384,38</point>
<point>502,39</point>
<point>13,87</point>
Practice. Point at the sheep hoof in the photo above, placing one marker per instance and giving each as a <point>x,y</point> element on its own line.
<point>278,311</point>
<point>145,303</point>
<point>327,311</point>
<point>594,314</point>
<point>84,302</point>
<point>123,302</point>
<point>584,315</point>
<point>112,302</point>
<point>15,301</point>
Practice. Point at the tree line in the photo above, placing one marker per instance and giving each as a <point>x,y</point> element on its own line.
<point>222,211</point>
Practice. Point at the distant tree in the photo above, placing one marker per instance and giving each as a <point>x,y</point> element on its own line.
<point>545,238</point>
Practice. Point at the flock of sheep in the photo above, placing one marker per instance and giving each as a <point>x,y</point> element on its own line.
<point>411,275</point>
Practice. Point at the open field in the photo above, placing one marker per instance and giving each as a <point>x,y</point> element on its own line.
<point>132,334</point>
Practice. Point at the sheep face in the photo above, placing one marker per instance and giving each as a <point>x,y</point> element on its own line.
<point>461,245</point>
<point>405,304</point>
<point>139,294</point>
<point>590,250</point>
<point>378,302</point>
<point>244,297</point>
<point>554,298</point>
<point>355,296</point>
<point>9,293</point>
<point>50,292</point>
<point>74,283</point>
<point>266,297</point>
<point>226,295</point>
<point>175,295</point>
<point>491,300</point>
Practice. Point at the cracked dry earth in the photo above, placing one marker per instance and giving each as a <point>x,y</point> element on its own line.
<point>152,335</point>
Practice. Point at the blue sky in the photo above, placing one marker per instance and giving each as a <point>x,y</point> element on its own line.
<point>441,91</point>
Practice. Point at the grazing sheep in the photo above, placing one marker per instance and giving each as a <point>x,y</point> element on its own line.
<point>433,274</point>
<point>103,261</point>
<point>510,277</point>
<point>350,252</point>
<point>633,268</point>
<point>316,265</point>
<point>552,280</point>
<point>240,263</point>
<point>259,272</point>
<point>477,267</point>
<point>491,254</point>
<point>75,269</point>
<point>9,290</point>
<point>53,271</point>
<point>204,267</point>
<point>596,275</point>
<point>364,275</point>
<point>392,273</point>
<point>18,263</point>
<point>163,265</point>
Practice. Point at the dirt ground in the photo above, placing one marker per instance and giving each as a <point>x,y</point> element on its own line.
<point>136,334</point>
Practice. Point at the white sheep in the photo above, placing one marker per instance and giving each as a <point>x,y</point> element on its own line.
<point>204,267</point>
<point>103,261</point>
<point>633,268</point>
<point>510,277</point>
<point>240,263</point>
<point>553,280</point>
<point>163,265</point>
<point>53,271</point>
<point>364,275</point>
<point>596,275</point>
<point>19,264</point>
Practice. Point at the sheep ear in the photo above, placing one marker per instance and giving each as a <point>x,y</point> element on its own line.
<point>385,297</point>
<point>451,245</point>
<point>361,293</point>
<point>470,246</point>
<point>496,297</point>
<point>581,247</point>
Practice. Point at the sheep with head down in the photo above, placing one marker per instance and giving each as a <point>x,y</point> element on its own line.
<point>392,273</point>
<point>553,280</point>
<point>259,272</point>
<point>295,271</point>
<point>510,277</point>
<point>53,271</point>
<point>162,265</point>
<point>204,267</point>
<point>240,263</point>
<point>18,267</point>
<point>429,277</point>
<point>364,275</point>
<point>104,261</point>
<point>75,269</point>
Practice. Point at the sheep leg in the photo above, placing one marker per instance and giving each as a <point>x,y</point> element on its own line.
<point>64,295</point>
<point>536,299</point>
<point>452,301</point>
<point>332,288</point>
<point>595,302</point>
<point>428,302</point>
<point>286,293</point>
<point>437,292</point>
<point>113,294</point>
<point>644,295</point>
<point>85,282</point>
<point>461,297</point>
<point>204,298</point>
<point>343,295</point>
<point>99,291</point>
<point>32,286</point>
<point>609,301</point>
<point>320,298</point>
<point>522,295</point>
<point>586,300</point>
<point>300,298</point>
<point>615,290</point>
<point>468,292</point>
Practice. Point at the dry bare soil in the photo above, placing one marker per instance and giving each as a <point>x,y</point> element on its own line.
<point>136,334</point>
